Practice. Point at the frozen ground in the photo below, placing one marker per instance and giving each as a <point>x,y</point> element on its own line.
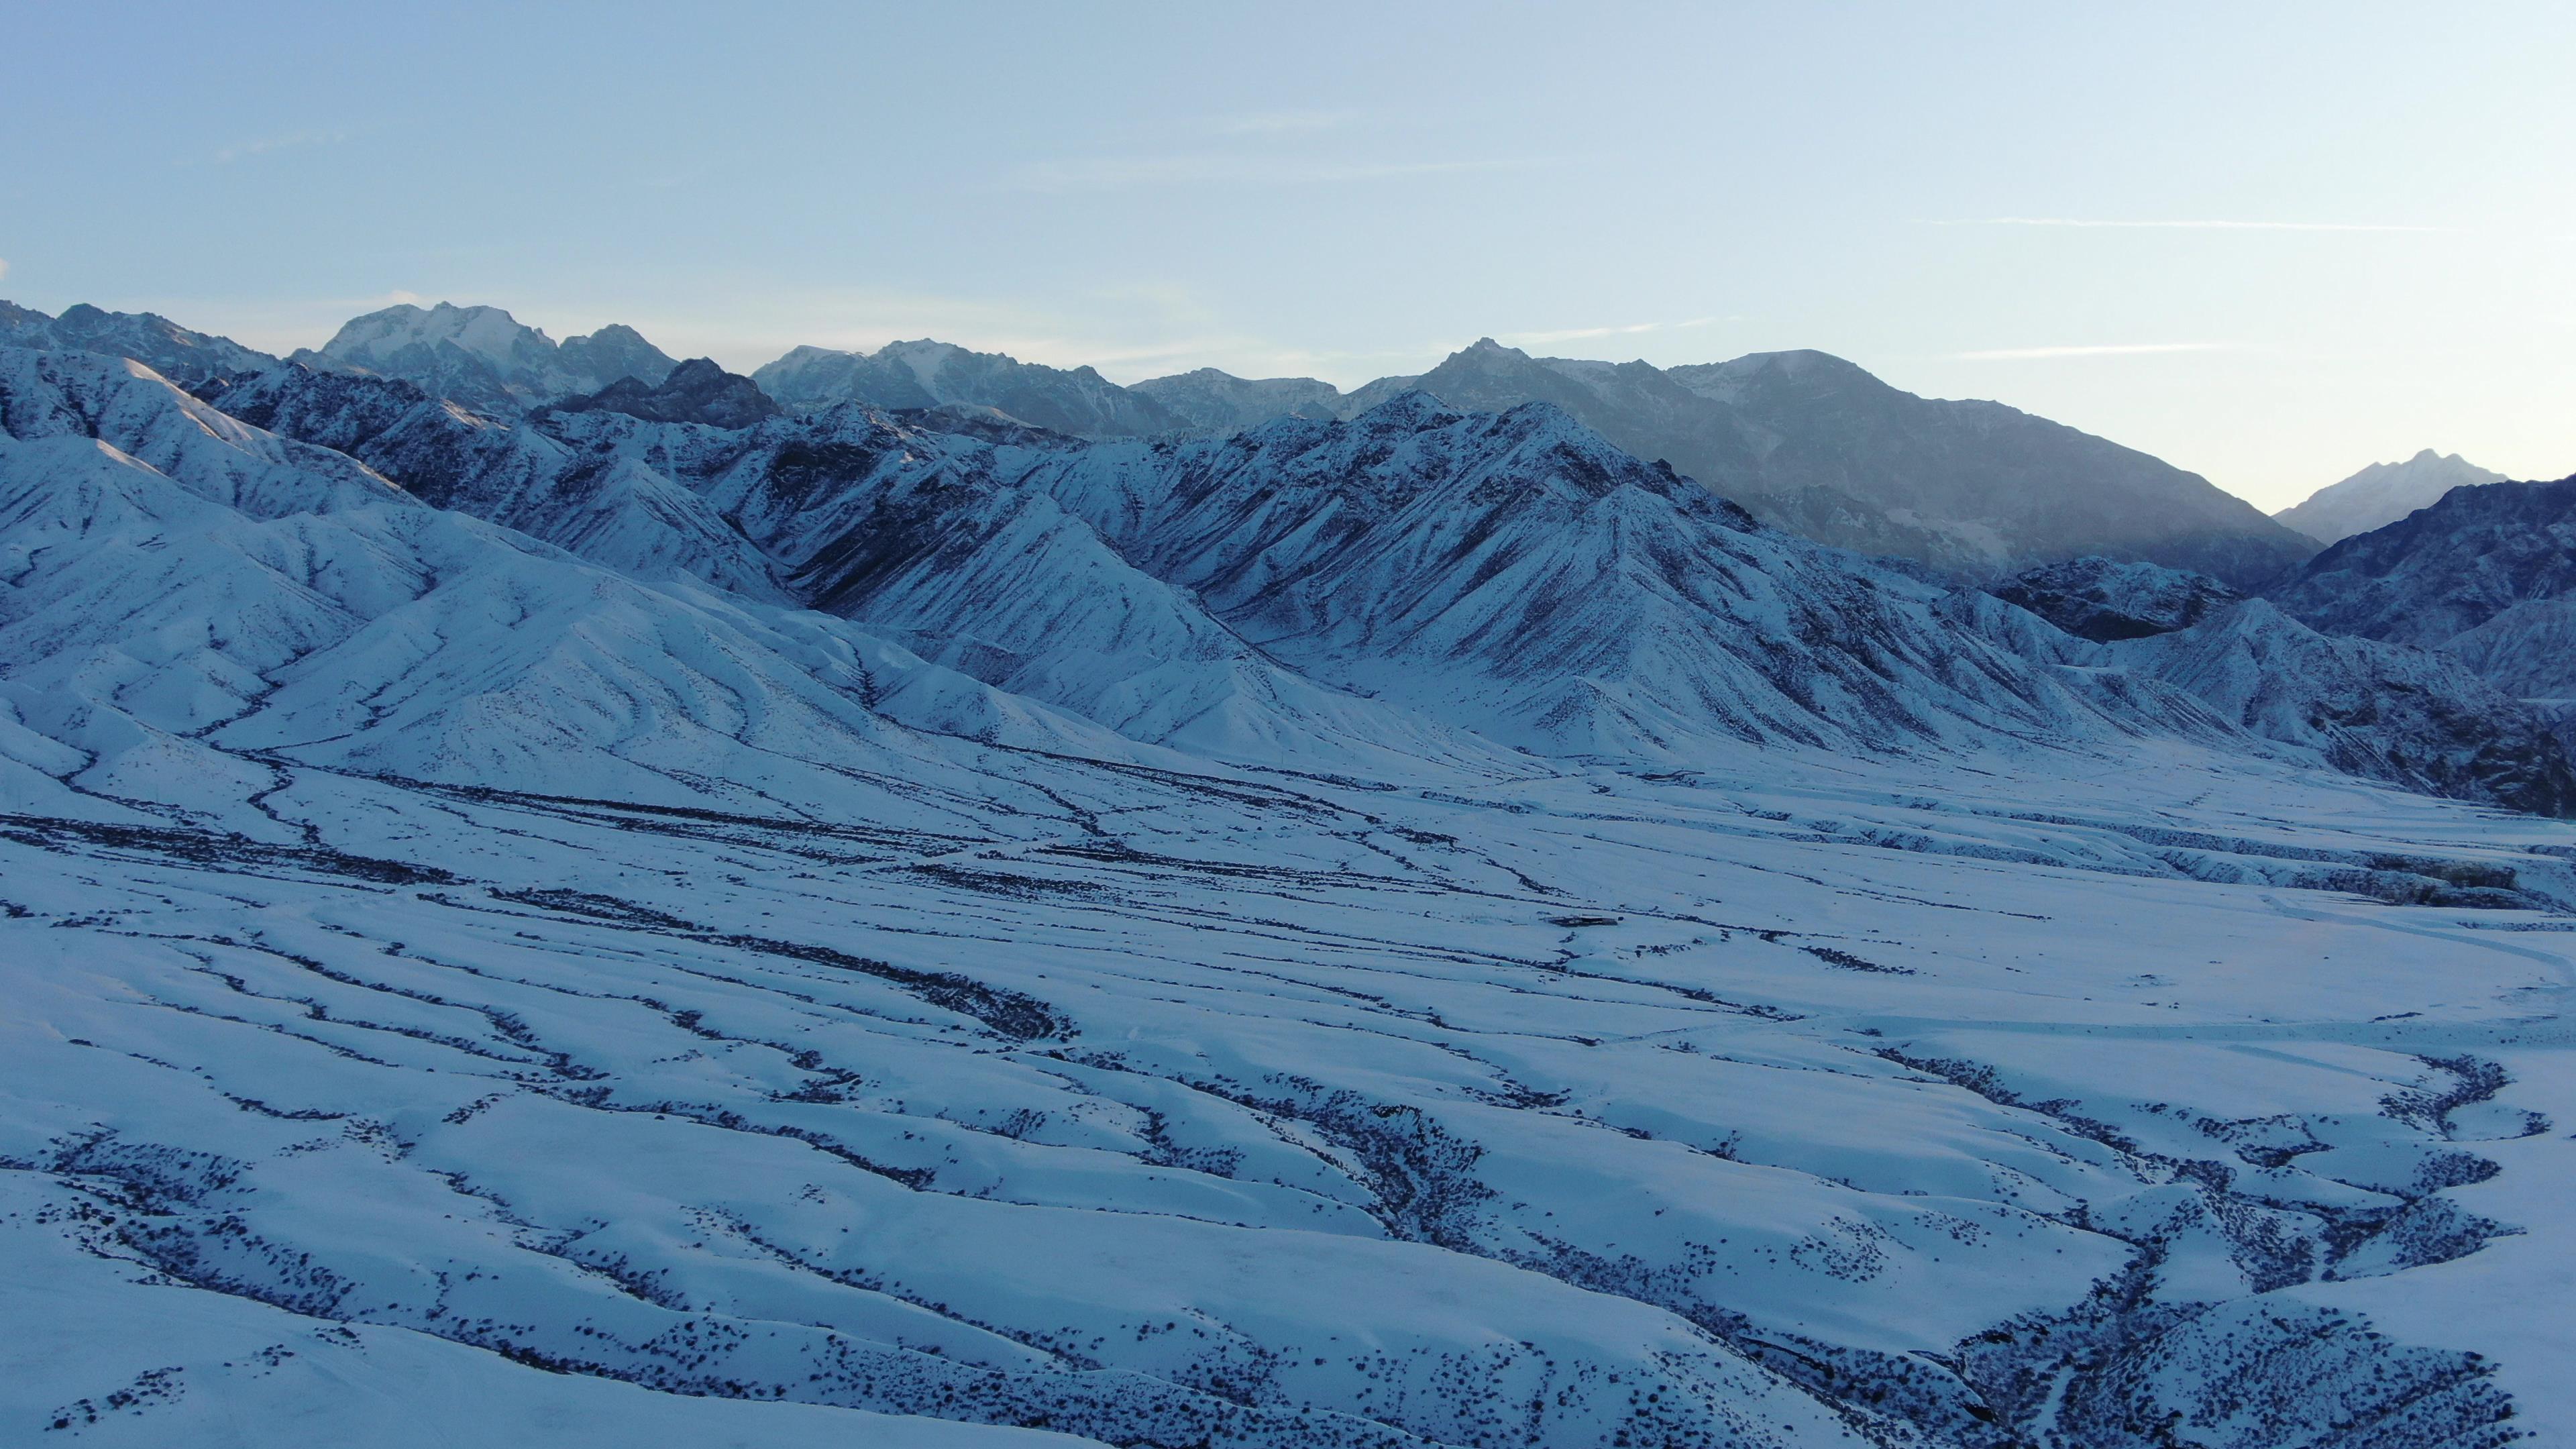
<point>1932,1105</point>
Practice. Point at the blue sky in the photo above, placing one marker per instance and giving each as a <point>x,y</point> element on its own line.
<point>2270,243</point>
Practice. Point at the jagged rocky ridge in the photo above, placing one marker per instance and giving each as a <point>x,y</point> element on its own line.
<point>434,952</point>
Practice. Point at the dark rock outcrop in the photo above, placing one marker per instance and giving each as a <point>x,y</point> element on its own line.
<point>697,391</point>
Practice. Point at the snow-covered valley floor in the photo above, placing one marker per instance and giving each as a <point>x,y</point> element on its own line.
<point>2080,1099</point>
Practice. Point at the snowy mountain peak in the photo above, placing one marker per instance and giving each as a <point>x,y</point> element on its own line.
<point>2381,494</point>
<point>184,356</point>
<point>1217,403</point>
<point>486,332</point>
<point>485,358</point>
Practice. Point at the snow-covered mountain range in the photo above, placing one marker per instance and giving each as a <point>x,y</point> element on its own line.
<point>1416,929</point>
<point>2381,494</point>
<point>1803,439</point>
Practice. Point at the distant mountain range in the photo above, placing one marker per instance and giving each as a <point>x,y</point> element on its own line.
<point>2381,494</point>
<point>1804,440</point>
<point>184,357</point>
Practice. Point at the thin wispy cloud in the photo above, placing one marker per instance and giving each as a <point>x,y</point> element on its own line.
<point>265,144</point>
<point>1286,123</point>
<point>4,266</point>
<point>1576,334</point>
<point>2183,225</point>
<point>1119,173</point>
<point>2090,349</point>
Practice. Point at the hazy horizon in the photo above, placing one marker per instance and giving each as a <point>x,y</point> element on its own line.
<point>2271,249</point>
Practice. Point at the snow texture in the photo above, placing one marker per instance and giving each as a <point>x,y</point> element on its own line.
<point>1574,966</point>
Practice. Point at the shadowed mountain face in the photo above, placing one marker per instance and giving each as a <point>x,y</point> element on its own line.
<point>1820,446</point>
<point>2487,573</point>
<point>2381,494</point>
<point>697,391</point>
<point>2094,598</point>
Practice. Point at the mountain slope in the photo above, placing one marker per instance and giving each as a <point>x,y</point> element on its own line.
<point>1518,575</point>
<point>2487,572</point>
<point>169,349</point>
<point>483,357</point>
<point>182,584</point>
<point>2096,599</point>
<point>2417,719</point>
<point>2381,494</point>
<point>932,536</point>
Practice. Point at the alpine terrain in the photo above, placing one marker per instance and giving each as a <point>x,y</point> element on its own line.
<point>550,893</point>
